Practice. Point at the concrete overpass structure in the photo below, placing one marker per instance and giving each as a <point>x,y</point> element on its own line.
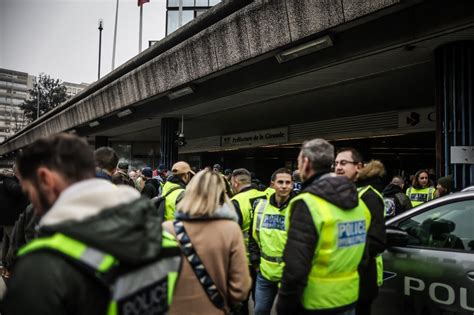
<point>396,70</point>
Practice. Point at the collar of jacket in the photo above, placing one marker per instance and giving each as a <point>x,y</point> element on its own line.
<point>176,180</point>
<point>224,212</point>
<point>313,178</point>
<point>246,188</point>
<point>87,198</point>
<point>283,205</point>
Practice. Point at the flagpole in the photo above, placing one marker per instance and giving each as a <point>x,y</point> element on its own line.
<point>115,35</point>
<point>141,30</point>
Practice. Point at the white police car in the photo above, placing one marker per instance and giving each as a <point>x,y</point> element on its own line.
<point>429,262</point>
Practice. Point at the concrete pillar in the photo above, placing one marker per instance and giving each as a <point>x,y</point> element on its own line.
<point>168,145</point>
<point>455,108</point>
<point>101,141</point>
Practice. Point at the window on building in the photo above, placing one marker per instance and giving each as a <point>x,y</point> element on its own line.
<point>202,3</point>
<point>186,3</point>
<point>173,19</point>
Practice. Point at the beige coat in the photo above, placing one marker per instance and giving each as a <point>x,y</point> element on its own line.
<point>219,244</point>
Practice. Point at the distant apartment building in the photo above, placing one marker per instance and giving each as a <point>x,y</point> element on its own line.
<point>177,17</point>
<point>14,86</point>
<point>74,88</point>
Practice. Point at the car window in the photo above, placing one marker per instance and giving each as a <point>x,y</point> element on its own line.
<point>449,226</point>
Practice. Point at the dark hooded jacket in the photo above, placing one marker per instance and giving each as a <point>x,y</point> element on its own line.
<point>372,174</point>
<point>12,199</point>
<point>46,282</point>
<point>151,188</point>
<point>303,239</point>
<point>402,202</point>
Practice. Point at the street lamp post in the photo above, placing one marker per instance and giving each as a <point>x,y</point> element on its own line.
<point>37,100</point>
<point>101,27</point>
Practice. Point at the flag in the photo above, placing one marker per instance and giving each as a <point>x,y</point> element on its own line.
<point>141,2</point>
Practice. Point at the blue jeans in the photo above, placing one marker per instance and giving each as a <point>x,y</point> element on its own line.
<point>265,293</point>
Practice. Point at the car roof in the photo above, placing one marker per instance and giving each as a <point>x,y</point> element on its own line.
<point>470,188</point>
<point>465,194</point>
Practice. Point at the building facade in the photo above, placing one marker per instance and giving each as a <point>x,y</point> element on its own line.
<point>250,82</point>
<point>74,88</point>
<point>14,86</point>
<point>190,9</point>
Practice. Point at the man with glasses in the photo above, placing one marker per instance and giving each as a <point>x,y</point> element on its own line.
<point>368,179</point>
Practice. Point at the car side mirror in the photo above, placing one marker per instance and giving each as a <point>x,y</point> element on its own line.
<point>396,237</point>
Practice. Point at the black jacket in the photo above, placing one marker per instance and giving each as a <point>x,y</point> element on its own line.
<point>12,199</point>
<point>151,188</point>
<point>23,232</point>
<point>402,202</point>
<point>303,238</point>
<point>44,282</point>
<point>371,175</point>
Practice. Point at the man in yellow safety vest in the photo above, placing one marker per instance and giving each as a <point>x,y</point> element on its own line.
<point>101,249</point>
<point>368,179</point>
<point>327,228</point>
<point>269,232</point>
<point>244,199</point>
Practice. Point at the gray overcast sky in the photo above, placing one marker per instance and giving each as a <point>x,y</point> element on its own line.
<point>60,37</point>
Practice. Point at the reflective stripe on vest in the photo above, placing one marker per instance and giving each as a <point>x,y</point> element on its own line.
<point>153,283</point>
<point>271,234</point>
<point>89,256</point>
<point>258,219</point>
<point>378,258</point>
<point>157,272</point>
<point>419,196</point>
<point>333,280</point>
<point>246,201</point>
<point>170,199</point>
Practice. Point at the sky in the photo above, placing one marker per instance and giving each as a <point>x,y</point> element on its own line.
<point>61,37</point>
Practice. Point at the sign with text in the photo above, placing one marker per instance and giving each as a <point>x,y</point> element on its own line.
<point>256,138</point>
<point>417,118</point>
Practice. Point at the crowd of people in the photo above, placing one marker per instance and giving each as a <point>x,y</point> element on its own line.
<point>85,234</point>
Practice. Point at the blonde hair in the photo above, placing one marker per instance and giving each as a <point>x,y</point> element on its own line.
<point>204,194</point>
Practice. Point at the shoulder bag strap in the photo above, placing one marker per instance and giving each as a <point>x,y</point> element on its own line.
<point>171,190</point>
<point>201,273</point>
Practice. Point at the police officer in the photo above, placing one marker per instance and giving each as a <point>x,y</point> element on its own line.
<point>95,239</point>
<point>421,190</point>
<point>174,187</point>
<point>368,179</point>
<point>244,201</point>
<point>269,232</point>
<point>326,239</point>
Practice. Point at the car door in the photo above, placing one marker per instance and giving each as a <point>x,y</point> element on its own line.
<point>434,272</point>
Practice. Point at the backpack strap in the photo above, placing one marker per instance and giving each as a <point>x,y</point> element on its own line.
<point>171,190</point>
<point>196,264</point>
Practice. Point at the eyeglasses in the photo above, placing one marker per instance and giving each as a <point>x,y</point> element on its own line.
<point>343,162</point>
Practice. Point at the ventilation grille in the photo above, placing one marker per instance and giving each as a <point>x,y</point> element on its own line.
<point>351,126</point>
<point>202,144</point>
